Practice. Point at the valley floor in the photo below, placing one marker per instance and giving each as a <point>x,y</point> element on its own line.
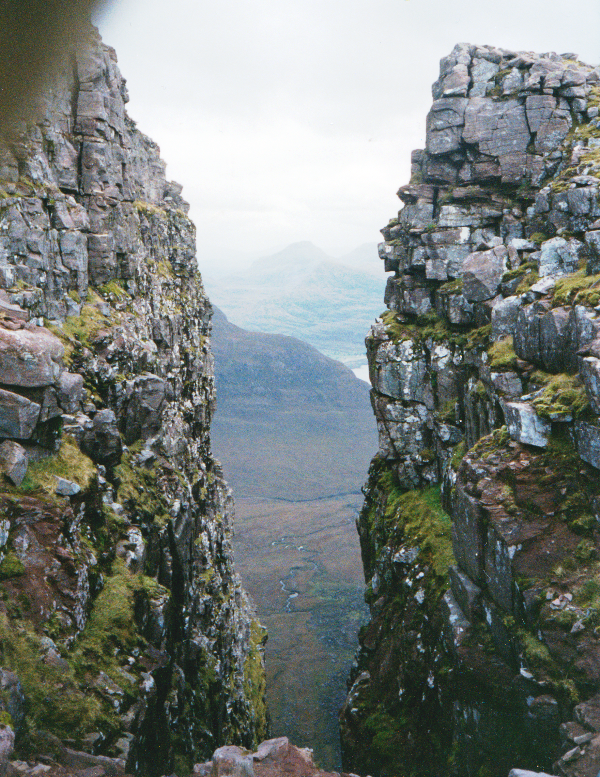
<point>301,563</point>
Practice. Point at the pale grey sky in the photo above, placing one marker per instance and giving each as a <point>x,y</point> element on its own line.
<point>289,120</point>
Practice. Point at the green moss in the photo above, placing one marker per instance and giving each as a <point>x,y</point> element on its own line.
<point>11,566</point>
<point>148,209</point>
<point>74,295</point>
<point>56,702</point>
<point>69,463</point>
<point>539,237</point>
<point>80,331</point>
<point>480,389</point>
<point>502,355</point>
<point>565,618</point>
<point>564,395</point>
<point>111,625</point>
<point>138,488</point>
<point>536,652</point>
<point>397,329</point>
<point>588,594</point>
<point>491,444</point>
<point>114,292</point>
<point>478,339</point>
<point>6,719</point>
<point>519,271</point>
<point>423,522</point>
<point>577,289</point>
<point>451,287</point>
<point>164,269</point>
<point>586,551</point>
<point>385,730</point>
<point>255,684</point>
<point>433,327</point>
<point>447,413</point>
<point>458,455</point>
<point>529,279</point>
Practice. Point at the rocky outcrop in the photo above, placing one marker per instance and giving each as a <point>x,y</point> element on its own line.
<point>272,758</point>
<point>480,527</point>
<point>122,623</point>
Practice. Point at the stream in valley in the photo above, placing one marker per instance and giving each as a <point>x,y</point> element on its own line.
<point>300,562</point>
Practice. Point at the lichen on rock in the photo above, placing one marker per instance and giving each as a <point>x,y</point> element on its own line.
<point>121,613</point>
<point>485,381</point>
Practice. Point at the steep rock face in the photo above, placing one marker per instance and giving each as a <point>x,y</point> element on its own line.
<point>480,526</point>
<point>124,630</point>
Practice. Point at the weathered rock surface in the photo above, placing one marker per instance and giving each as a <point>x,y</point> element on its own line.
<point>479,532</point>
<point>273,758</point>
<point>121,615</point>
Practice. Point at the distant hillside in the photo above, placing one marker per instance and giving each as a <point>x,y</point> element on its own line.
<point>290,422</point>
<point>304,293</point>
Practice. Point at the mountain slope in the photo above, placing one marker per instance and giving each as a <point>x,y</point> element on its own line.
<point>304,293</point>
<point>290,422</point>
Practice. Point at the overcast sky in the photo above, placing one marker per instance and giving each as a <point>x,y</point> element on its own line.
<point>289,120</point>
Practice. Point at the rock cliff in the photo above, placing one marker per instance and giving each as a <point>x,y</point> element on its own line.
<point>481,521</point>
<point>124,631</point>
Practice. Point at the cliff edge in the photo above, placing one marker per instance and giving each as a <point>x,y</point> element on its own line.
<point>481,521</point>
<point>124,631</point>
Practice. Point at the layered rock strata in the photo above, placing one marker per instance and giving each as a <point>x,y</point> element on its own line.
<point>481,521</point>
<point>124,631</point>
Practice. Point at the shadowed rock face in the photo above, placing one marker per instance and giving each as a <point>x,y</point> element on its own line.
<point>121,613</point>
<point>479,532</point>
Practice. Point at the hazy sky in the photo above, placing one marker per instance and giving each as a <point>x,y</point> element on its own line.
<point>290,120</point>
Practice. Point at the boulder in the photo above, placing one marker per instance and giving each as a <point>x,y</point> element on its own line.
<point>70,392</point>
<point>444,125</point>
<point>482,273</point>
<point>560,257</point>
<point>102,442</point>
<point>588,713</point>
<point>582,328</point>
<point>456,625</point>
<point>231,761</point>
<point>18,415</point>
<point>589,370</point>
<point>399,370</point>
<point>12,311</point>
<point>13,461</point>
<point>466,593</point>
<point>541,335</point>
<point>467,535</point>
<point>144,408</point>
<point>508,384</point>
<point>587,437</point>
<point>524,425</point>
<point>30,358</point>
<point>66,487</point>
<point>592,241</point>
<point>504,317</point>
<point>7,746</point>
<point>12,698</point>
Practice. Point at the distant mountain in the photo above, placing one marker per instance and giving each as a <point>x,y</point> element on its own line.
<point>364,258</point>
<point>304,293</point>
<point>291,423</point>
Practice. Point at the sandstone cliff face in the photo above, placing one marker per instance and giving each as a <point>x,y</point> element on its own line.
<point>123,628</point>
<point>481,521</point>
